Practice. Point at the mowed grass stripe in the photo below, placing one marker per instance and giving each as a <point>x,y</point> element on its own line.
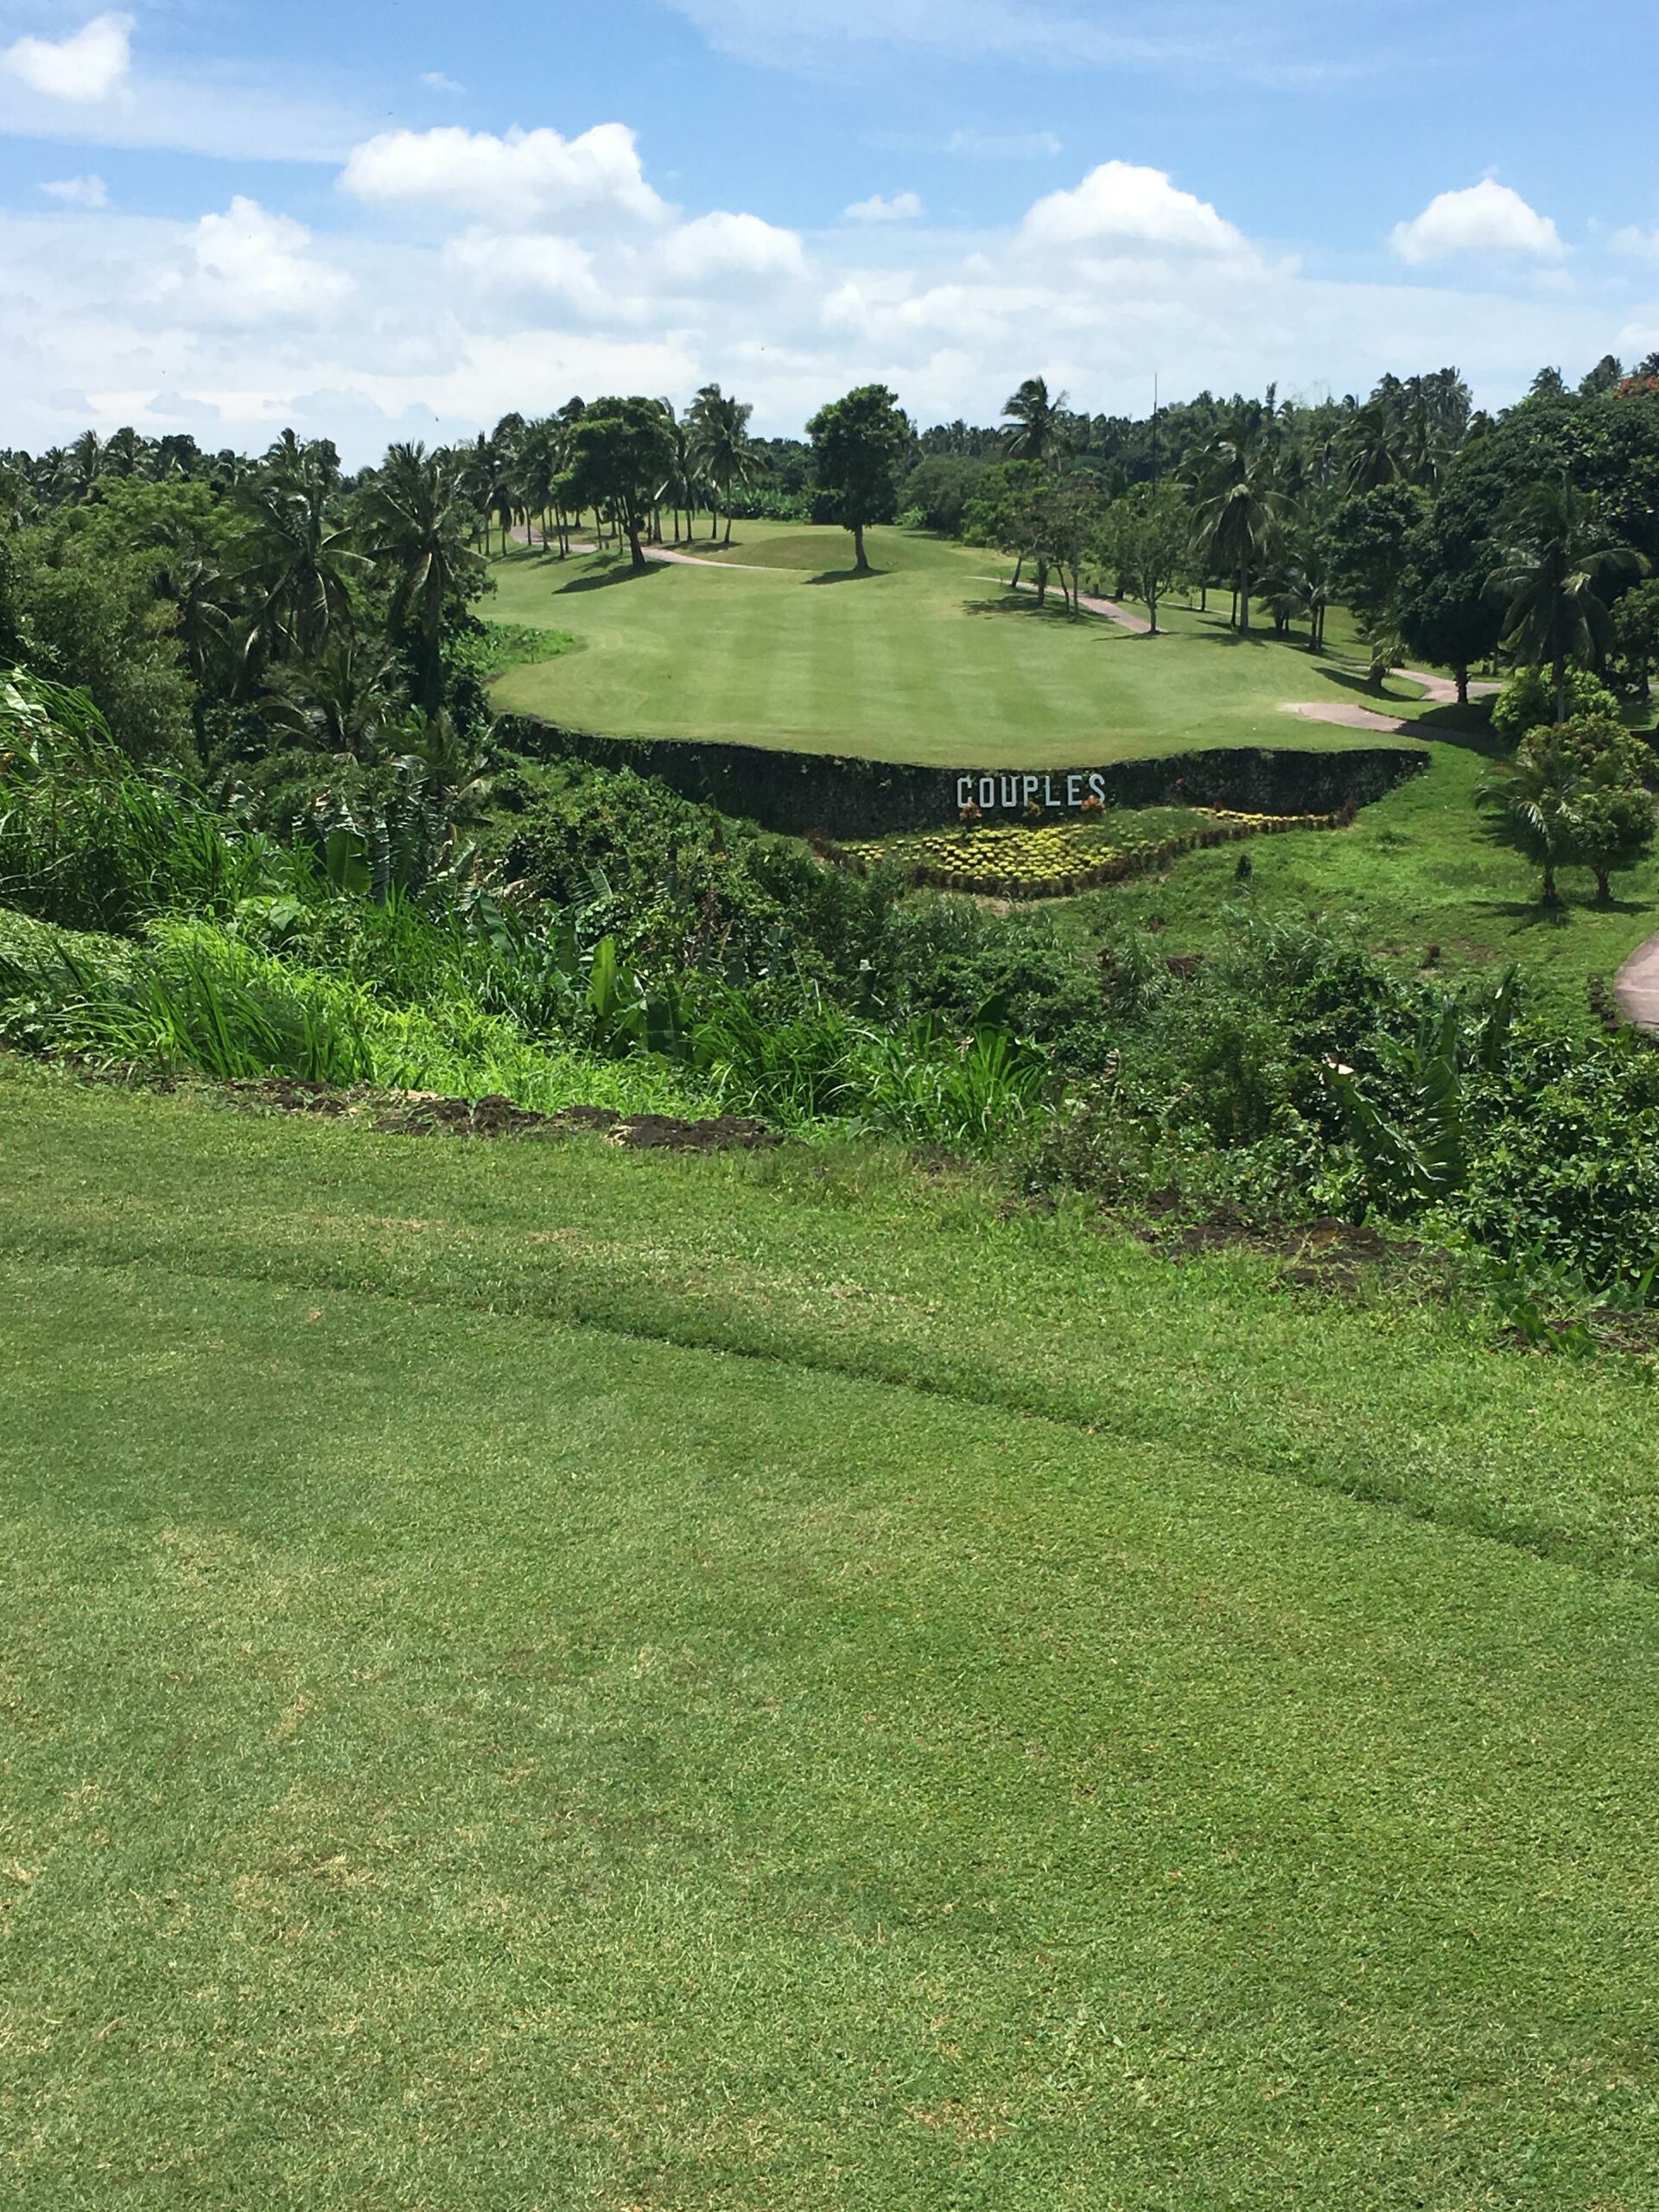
<point>793,677</point>
<point>838,1261</point>
<point>639,1765</point>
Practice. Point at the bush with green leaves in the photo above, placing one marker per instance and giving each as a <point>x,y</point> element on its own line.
<point>1528,701</point>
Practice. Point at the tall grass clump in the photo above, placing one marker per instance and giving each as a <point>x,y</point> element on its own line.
<point>89,843</point>
<point>193,999</point>
<point>976,1092</point>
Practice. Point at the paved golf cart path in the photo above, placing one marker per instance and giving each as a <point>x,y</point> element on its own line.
<point>1438,691</point>
<point>1110,609</point>
<point>1637,985</point>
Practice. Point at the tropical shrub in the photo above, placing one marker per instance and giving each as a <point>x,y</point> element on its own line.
<point>1528,701</point>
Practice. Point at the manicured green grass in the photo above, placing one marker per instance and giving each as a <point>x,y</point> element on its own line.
<point>542,1678</point>
<point>1421,868</point>
<point>929,659</point>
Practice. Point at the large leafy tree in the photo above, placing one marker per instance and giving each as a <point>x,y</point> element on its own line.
<point>1636,633</point>
<point>1554,578</point>
<point>621,454</point>
<point>1149,537</point>
<point>857,444</point>
<point>1369,539</point>
<point>1575,791</point>
<point>1447,615</point>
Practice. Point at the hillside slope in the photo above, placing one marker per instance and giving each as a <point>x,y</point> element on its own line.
<point>542,1677</point>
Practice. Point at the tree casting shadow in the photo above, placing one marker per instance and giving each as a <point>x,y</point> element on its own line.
<point>846,576</point>
<point>1055,610</point>
<point>623,572</point>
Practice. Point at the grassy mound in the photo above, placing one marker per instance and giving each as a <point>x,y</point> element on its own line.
<point>929,659</point>
<point>1036,1725</point>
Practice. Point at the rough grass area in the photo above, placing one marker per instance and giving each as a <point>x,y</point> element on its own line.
<point>516,644</point>
<point>1419,870</point>
<point>553,1679</point>
<point>929,659</point>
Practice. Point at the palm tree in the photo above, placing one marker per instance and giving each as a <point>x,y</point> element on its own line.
<point>1040,431</point>
<point>1240,504</point>
<point>1551,580</point>
<point>720,449</point>
<point>303,562</point>
<point>544,455</point>
<point>205,609</point>
<point>679,487</point>
<point>85,467</point>
<point>1535,795</point>
<point>345,704</point>
<point>456,773</point>
<point>415,521</point>
<point>1373,447</point>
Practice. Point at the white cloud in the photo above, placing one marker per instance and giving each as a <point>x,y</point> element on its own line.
<point>1121,207</point>
<point>1643,244</point>
<point>80,191</point>
<point>85,68</point>
<point>1488,218</point>
<point>387,329</point>
<point>903,208</point>
<point>435,81</point>
<point>719,246</point>
<point>523,175</point>
<point>250,265</point>
<point>529,262</point>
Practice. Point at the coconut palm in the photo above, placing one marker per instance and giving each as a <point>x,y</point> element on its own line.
<point>414,522</point>
<point>1552,579</point>
<point>1039,429</point>
<point>1535,798</point>
<point>206,607</point>
<point>85,467</point>
<point>345,704</point>
<point>1373,449</point>
<point>679,487</point>
<point>1240,503</point>
<point>720,449</point>
<point>303,565</point>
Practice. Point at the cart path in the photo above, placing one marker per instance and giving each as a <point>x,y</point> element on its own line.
<point>1438,691</point>
<point>1637,985</point>
<point>1112,609</point>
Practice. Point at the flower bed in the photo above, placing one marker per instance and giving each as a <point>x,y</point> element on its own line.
<point>1058,860</point>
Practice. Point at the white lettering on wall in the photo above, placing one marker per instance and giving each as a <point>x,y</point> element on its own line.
<point>1059,789</point>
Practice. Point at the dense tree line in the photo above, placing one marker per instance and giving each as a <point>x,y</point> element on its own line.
<point>255,618</point>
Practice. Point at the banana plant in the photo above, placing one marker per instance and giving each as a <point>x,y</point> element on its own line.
<point>1421,1154</point>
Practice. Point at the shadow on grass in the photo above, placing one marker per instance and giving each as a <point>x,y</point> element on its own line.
<point>620,571</point>
<point>846,575</point>
<point>1347,679</point>
<point>1529,914</point>
<point>1027,609</point>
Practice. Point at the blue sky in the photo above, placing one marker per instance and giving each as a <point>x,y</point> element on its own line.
<point>383,220</point>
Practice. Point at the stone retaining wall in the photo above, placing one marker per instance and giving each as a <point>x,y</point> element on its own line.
<point>843,797</point>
